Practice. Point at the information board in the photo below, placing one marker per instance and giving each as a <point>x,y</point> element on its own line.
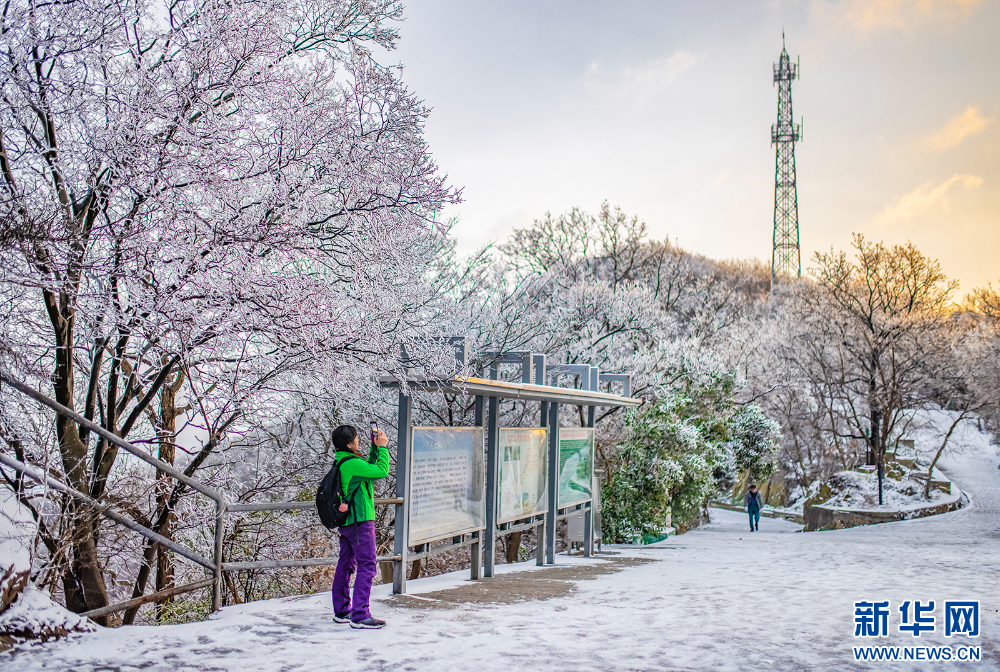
<point>576,465</point>
<point>447,483</point>
<point>523,473</point>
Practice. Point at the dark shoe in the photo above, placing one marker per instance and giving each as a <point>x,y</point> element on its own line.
<point>342,618</point>
<point>368,623</point>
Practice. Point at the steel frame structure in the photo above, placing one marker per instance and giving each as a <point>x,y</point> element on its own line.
<point>786,256</point>
<point>487,393</point>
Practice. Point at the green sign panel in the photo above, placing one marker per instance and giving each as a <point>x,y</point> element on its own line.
<point>576,465</point>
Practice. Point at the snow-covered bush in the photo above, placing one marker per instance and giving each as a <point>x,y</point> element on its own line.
<point>661,466</point>
<point>755,442</point>
<point>35,616</point>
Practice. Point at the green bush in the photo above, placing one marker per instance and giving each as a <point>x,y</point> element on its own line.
<point>677,452</point>
<point>755,441</point>
<point>660,470</point>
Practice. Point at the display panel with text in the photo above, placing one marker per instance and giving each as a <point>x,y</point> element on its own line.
<point>447,483</point>
<point>523,478</point>
<point>576,465</point>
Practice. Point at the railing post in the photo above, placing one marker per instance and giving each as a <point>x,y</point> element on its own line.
<point>220,513</point>
<point>401,531</point>
<point>595,386</point>
<point>538,364</point>
<point>526,367</point>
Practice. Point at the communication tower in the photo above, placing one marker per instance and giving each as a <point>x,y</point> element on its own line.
<point>786,258</point>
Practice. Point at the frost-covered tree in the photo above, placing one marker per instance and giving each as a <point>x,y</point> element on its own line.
<point>755,442</point>
<point>875,318</point>
<point>199,202</point>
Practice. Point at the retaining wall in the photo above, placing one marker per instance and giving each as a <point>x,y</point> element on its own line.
<point>819,517</point>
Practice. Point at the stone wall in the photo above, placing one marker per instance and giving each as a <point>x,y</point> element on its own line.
<point>819,517</point>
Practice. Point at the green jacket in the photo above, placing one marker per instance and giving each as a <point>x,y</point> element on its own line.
<point>357,476</point>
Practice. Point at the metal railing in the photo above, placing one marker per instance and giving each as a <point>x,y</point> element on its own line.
<point>216,565</point>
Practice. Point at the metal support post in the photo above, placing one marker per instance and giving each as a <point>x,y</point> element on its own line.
<point>526,367</point>
<point>624,378</point>
<point>220,513</point>
<point>538,363</point>
<point>477,556</point>
<point>595,384</point>
<point>550,527</point>
<point>588,516</point>
<point>404,451</point>
<point>476,547</point>
<point>540,541</point>
<point>492,463</point>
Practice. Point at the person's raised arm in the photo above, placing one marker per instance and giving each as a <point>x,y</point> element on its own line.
<point>377,465</point>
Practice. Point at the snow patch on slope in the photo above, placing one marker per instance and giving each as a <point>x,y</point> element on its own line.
<point>34,615</point>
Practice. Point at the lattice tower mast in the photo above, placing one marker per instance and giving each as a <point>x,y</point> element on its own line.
<point>786,258</point>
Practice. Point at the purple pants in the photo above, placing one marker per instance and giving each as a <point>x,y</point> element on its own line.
<point>357,554</point>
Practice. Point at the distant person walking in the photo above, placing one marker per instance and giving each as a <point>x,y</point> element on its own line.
<point>754,504</point>
<point>357,536</point>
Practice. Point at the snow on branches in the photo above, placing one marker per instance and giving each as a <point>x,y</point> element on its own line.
<point>202,205</point>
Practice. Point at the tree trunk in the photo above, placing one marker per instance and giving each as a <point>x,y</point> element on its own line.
<point>148,553</point>
<point>878,447</point>
<point>83,584</point>
<point>166,436</point>
<point>513,546</point>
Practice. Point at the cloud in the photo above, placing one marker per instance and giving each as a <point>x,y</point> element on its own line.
<point>957,128</point>
<point>927,199</point>
<point>867,15</point>
<point>642,80</point>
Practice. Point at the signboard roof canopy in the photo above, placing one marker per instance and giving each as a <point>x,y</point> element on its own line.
<point>523,391</point>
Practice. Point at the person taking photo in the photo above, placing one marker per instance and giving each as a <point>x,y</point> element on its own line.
<point>357,535</point>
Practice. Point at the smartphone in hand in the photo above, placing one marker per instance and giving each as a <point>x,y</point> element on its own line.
<point>374,430</point>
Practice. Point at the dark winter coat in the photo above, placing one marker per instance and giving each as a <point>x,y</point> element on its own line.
<point>753,501</point>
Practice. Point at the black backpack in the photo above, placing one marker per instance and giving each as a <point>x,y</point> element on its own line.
<point>330,496</point>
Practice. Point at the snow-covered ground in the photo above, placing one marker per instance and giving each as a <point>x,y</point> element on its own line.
<point>716,598</point>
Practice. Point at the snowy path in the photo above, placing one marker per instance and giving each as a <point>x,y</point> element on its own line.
<point>717,598</point>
